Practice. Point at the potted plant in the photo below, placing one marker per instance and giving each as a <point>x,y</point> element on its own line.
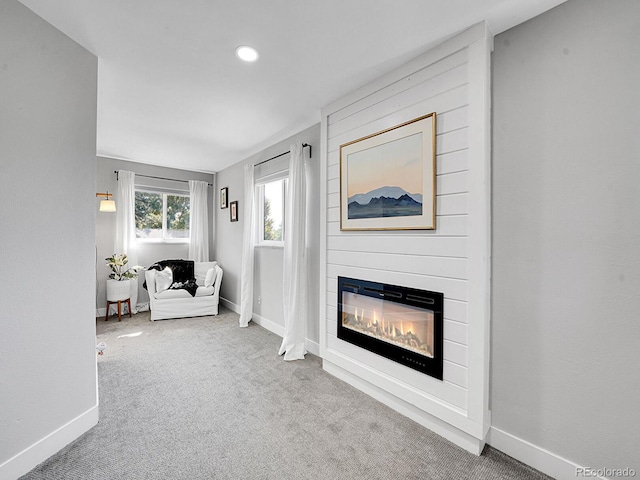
<point>119,283</point>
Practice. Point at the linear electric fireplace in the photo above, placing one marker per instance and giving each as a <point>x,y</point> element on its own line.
<point>399,323</point>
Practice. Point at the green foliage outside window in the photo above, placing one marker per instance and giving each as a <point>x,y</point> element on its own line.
<point>178,216</point>
<point>149,212</point>
<point>270,232</point>
<point>272,199</point>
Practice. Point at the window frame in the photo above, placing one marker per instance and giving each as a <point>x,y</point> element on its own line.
<point>164,238</point>
<point>259,194</point>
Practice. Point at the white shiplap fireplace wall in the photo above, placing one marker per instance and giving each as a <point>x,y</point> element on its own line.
<point>453,80</point>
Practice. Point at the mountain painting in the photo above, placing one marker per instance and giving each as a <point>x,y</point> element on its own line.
<point>384,202</point>
<point>382,180</point>
<point>387,180</point>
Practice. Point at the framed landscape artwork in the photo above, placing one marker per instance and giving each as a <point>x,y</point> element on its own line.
<point>233,211</point>
<point>388,179</point>
<point>224,202</point>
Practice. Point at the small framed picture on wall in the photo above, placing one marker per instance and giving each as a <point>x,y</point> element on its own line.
<point>224,194</point>
<point>233,212</point>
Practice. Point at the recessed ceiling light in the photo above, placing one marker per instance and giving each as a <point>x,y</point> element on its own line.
<point>248,54</point>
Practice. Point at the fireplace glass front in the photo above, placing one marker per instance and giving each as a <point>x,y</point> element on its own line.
<point>399,323</point>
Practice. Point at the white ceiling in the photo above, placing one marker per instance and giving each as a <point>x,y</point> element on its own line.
<point>172,93</point>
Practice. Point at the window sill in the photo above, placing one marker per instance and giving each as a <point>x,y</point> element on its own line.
<point>162,242</point>
<point>270,245</point>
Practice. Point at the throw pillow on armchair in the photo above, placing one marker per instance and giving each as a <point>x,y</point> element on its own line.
<point>164,279</point>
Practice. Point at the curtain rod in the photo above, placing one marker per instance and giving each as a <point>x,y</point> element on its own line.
<point>304,145</point>
<point>159,178</point>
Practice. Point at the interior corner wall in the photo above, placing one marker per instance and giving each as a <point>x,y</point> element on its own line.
<point>268,280</point>
<point>148,253</point>
<point>566,233</point>
<point>48,383</point>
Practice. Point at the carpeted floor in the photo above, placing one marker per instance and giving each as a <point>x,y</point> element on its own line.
<point>200,398</point>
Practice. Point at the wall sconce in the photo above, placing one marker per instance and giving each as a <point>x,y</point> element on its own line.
<point>107,205</point>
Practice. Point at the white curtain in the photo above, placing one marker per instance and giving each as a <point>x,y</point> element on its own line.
<point>249,235</point>
<point>295,257</point>
<point>198,221</point>
<point>126,226</point>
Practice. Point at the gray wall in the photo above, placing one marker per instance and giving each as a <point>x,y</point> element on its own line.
<point>47,171</point>
<point>147,253</point>
<point>268,260</point>
<point>566,232</point>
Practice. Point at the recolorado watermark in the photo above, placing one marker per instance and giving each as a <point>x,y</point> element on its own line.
<point>588,472</point>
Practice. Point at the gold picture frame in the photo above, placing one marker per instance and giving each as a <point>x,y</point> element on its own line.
<point>388,179</point>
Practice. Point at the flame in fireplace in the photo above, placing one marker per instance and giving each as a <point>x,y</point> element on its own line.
<point>390,328</point>
<point>396,327</point>
<point>405,325</point>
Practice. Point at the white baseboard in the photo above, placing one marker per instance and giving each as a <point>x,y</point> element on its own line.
<point>547,462</point>
<point>433,423</point>
<point>273,327</point>
<point>313,347</point>
<point>230,305</point>
<point>270,325</point>
<point>37,453</point>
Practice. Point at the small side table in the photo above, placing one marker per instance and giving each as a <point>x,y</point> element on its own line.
<point>119,302</point>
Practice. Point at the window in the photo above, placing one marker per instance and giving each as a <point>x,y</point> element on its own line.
<point>162,216</point>
<point>271,226</point>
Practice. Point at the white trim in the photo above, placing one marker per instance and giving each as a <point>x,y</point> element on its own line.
<point>184,192</point>
<point>273,327</point>
<point>163,241</point>
<point>322,271</point>
<point>230,305</point>
<point>479,228</point>
<point>47,446</point>
<point>270,244</point>
<point>534,456</point>
<point>442,428</point>
<point>273,177</point>
<point>270,325</point>
<point>312,347</point>
<point>406,394</point>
